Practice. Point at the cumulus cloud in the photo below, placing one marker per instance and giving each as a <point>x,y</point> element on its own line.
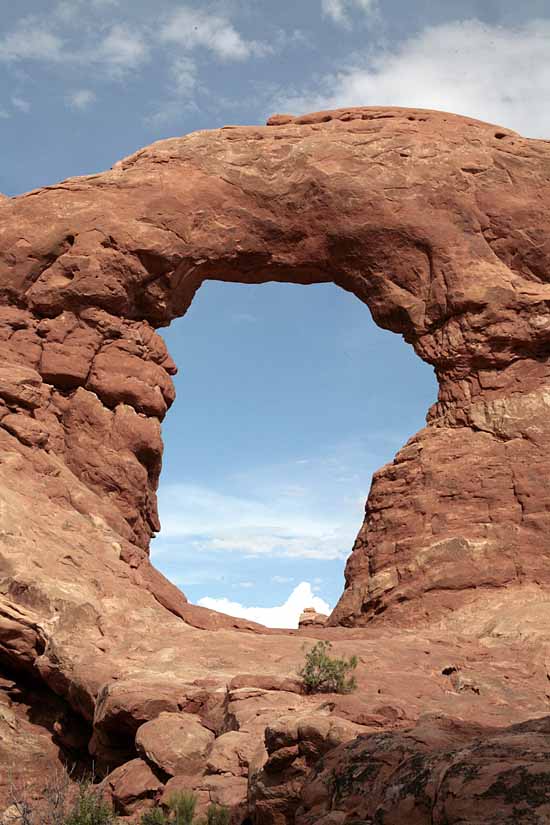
<point>284,615</point>
<point>81,99</point>
<point>495,73</point>
<point>191,28</point>
<point>339,11</point>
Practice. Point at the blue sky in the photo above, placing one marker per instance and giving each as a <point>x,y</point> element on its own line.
<point>288,397</point>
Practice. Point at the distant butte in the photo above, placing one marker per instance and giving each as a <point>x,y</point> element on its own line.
<point>441,225</point>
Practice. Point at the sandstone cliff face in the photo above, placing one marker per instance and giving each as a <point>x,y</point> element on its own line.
<point>440,225</point>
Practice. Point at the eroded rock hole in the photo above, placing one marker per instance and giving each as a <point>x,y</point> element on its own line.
<point>288,399</point>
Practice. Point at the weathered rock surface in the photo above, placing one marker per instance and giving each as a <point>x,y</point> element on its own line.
<point>133,787</point>
<point>176,743</point>
<point>442,772</point>
<point>294,745</point>
<point>440,225</point>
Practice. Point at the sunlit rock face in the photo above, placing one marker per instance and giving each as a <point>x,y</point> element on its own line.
<point>438,223</point>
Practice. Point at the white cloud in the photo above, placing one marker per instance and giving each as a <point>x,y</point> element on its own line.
<point>81,99</point>
<point>339,10</point>
<point>4,114</point>
<point>247,585</point>
<point>494,73</point>
<point>30,41</point>
<point>256,512</point>
<point>21,104</point>
<point>282,579</point>
<point>35,38</point>
<point>270,525</point>
<point>122,48</point>
<point>285,615</point>
<point>184,73</point>
<point>193,28</point>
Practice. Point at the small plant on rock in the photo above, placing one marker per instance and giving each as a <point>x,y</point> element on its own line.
<point>323,673</point>
<point>89,808</point>
<point>156,816</point>
<point>60,801</point>
<point>217,815</point>
<point>182,806</point>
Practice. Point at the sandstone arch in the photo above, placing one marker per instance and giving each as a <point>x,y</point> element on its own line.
<point>440,224</point>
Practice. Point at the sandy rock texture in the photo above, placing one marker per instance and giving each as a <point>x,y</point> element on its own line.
<point>440,225</point>
<point>441,772</point>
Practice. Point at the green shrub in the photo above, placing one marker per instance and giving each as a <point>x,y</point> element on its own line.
<point>182,812</point>
<point>89,808</point>
<point>217,815</point>
<point>59,799</point>
<point>322,673</point>
<point>156,816</point>
<point>182,805</point>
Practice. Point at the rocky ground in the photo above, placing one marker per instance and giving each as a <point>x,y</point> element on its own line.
<point>440,224</point>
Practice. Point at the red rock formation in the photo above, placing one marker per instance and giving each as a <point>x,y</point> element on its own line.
<point>442,772</point>
<point>310,618</point>
<point>440,225</point>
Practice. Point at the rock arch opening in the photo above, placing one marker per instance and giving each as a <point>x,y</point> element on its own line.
<point>288,399</point>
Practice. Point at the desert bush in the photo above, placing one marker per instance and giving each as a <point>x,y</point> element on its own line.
<point>182,812</point>
<point>217,815</point>
<point>154,817</point>
<point>182,806</point>
<point>323,673</point>
<point>89,808</point>
<point>59,802</point>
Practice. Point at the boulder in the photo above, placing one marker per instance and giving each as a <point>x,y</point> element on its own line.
<point>310,618</point>
<point>132,787</point>
<point>176,743</point>
<point>231,753</point>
